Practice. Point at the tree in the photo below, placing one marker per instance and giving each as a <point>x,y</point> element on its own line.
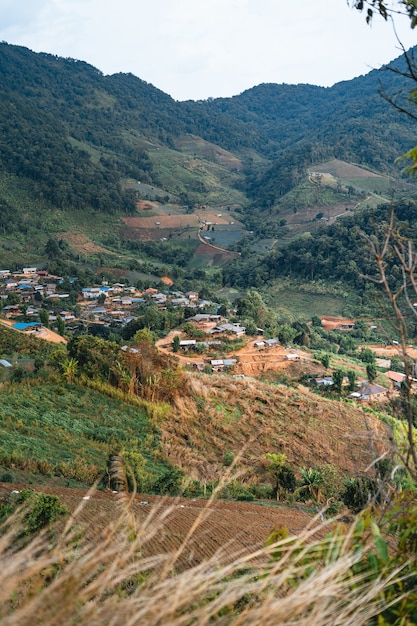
<point>325,360</point>
<point>252,306</point>
<point>60,324</point>
<point>316,321</point>
<point>286,334</point>
<point>352,379</point>
<point>176,343</point>
<point>70,367</point>
<point>371,372</point>
<point>311,482</point>
<point>282,474</point>
<point>338,376</point>
<point>52,248</point>
<point>42,510</point>
<point>44,317</point>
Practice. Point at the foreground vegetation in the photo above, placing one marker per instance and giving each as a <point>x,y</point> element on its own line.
<point>359,573</point>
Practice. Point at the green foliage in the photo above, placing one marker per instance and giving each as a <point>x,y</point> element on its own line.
<point>42,510</point>
<point>338,376</point>
<point>251,306</point>
<point>228,458</point>
<point>283,475</point>
<point>176,343</point>
<point>71,431</point>
<point>371,372</point>
<point>6,477</point>
<point>95,356</point>
<point>325,360</point>
<point>359,492</point>
<point>351,374</point>
<point>367,356</point>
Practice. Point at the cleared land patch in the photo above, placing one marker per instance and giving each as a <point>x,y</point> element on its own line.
<point>81,243</point>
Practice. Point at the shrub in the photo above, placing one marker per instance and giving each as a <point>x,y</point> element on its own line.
<point>6,477</point>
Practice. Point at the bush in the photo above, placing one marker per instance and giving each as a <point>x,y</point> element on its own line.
<point>245,496</point>
<point>7,477</point>
<point>44,509</point>
<point>228,458</point>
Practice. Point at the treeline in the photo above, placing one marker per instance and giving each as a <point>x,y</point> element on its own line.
<point>337,253</point>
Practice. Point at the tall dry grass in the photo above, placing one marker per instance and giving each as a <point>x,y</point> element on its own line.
<point>67,580</point>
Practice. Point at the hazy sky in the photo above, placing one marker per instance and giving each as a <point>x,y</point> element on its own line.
<point>195,49</point>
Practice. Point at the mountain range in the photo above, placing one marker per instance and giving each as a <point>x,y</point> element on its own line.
<point>76,144</point>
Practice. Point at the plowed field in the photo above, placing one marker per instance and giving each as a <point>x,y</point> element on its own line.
<point>222,528</point>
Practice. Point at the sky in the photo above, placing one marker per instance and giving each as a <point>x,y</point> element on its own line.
<point>197,49</point>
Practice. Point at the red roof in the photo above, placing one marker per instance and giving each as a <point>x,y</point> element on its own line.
<point>397,377</point>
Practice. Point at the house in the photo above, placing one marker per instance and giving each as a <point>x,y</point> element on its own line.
<point>272,343</point>
<point>186,344</point>
<point>192,296</point>
<point>347,325</point>
<point>29,270</point>
<point>292,356</point>
<point>396,378</point>
<point>204,318</point>
<point>90,293</point>
<point>27,326</point>
<point>235,329</point>
<point>218,365</point>
<point>180,302</point>
<point>370,392</point>
<point>5,363</point>
<point>326,381</point>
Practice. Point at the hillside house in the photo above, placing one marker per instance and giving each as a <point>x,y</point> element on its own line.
<point>234,329</point>
<point>186,344</point>
<point>370,393</point>
<point>272,343</point>
<point>347,325</point>
<point>180,302</point>
<point>218,365</point>
<point>326,381</point>
<point>200,319</point>
<point>396,378</point>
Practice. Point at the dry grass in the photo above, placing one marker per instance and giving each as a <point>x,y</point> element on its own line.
<point>298,580</point>
<point>217,413</point>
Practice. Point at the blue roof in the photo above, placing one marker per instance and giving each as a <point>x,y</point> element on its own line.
<point>24,325</point>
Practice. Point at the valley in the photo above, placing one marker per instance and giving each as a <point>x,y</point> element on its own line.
<point>208,310</point>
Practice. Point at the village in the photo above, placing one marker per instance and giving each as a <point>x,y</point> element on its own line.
<point>207,339</point>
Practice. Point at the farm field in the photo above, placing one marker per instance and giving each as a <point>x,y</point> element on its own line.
<point>221,528</point>
<point>302,303</point>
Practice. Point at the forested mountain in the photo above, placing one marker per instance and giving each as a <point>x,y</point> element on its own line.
<point>76,133</point>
